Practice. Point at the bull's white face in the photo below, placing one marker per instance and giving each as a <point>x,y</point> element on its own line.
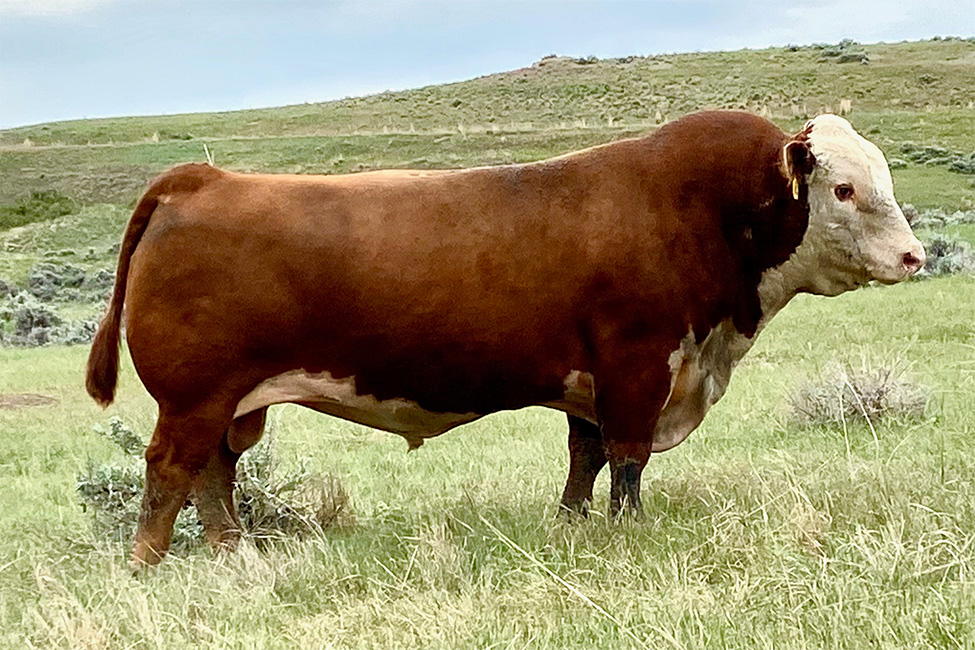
<point>856,229</point>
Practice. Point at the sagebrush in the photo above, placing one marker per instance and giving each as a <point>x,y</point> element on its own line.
<point>864,391</point>
<point>272,503</point>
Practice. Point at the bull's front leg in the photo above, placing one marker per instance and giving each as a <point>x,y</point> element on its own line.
<point>586,458</point>
<point>631,389</point>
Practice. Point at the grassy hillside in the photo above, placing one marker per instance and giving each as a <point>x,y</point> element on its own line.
<point>558,92</point>
<point>922,93</point>
<point>761,531</point>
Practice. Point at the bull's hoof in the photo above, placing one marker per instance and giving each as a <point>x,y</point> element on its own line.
<point>574,510</point>
<point>627,511</point>
<point>142,557</point>
<point>225,542</point>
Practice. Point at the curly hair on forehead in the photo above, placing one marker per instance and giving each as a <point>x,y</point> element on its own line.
<point>803,135</point>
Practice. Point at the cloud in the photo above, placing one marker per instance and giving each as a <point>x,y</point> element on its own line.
<point>49,7</point>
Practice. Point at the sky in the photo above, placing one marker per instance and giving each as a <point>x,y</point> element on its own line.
<point>67,59</point>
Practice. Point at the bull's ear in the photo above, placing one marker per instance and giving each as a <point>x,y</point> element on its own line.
<point>798,162</point>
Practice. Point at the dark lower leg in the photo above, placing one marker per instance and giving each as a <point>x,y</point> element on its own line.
<point>625,487</point>
<point>586,458</point>
<point>628,402</point>
<point>213,495</point>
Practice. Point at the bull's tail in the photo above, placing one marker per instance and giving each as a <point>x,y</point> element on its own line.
<point>103,360</point>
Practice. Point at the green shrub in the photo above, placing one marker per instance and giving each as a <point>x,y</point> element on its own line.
<point>963,164</point>
<point>956,161</point>
<point>23,314</point>
<point>46,280</point>
<point>25,321</point>
<point>272,503</point>
<point>174,135</point>
<point>98,285</point>
<point>846,51</point>
<point>124,438</point>
<point>853,57</point>
<point>939,217</point>
<point>36,207</point>
<point>64,282</point>
<point>946,256</point>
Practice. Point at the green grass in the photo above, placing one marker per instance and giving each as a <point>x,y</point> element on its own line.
<point>758,532</point>
<point>36,207</point>
<point>119,174</point>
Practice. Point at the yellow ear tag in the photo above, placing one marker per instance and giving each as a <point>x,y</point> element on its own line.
<point>795,187</point>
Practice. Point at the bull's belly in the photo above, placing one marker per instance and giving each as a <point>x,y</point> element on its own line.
<point>685,408</point>
<point>338,397</point>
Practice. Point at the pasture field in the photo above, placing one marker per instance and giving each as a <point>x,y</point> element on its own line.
<point>759,531</point>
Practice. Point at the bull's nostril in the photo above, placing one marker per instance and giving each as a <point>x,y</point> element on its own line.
<point>912,262</point>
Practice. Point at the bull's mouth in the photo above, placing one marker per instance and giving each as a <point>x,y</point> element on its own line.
<point>889,276</point>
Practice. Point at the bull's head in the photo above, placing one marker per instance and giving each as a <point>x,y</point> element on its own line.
<point>856,232</point>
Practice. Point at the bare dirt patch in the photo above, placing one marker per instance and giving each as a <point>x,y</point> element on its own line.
<point>25,400</point>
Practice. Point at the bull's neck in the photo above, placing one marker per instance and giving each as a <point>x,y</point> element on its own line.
<point>803,271</point>
<point>778,286</point>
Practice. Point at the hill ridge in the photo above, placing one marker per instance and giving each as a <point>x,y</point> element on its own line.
<point>555,92</point>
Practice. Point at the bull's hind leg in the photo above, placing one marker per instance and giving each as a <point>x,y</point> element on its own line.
<point>213,492</point>
<point>180,449</point>
<point>586,458</point>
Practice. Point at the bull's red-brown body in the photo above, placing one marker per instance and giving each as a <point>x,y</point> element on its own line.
<point>465,292</point>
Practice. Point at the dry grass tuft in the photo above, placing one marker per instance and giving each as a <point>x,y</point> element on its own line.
<point>811,527</point>
<point>867,392</point>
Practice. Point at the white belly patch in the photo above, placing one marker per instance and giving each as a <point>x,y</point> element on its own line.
<point>338,397</point>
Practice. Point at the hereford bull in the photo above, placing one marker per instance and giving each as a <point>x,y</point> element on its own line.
<point>619,284</point>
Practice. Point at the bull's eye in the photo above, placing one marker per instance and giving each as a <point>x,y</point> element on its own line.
<point>844,192</point>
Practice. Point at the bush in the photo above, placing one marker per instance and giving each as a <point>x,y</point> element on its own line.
<point>36,207</point>
<point>963,164</point>
<point>108,493</point>
<point>846,51</point>
<point>910,213</point>
<point>46,280</point>
<point>853,57</point>
<point>98,285</point>
<point>25,321</point>
<point>271,503</point>
<point>956,161</point>
<point>174,135</point>
<point>946,256</point>
<point>939,218</point>
<point>870,392</point>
